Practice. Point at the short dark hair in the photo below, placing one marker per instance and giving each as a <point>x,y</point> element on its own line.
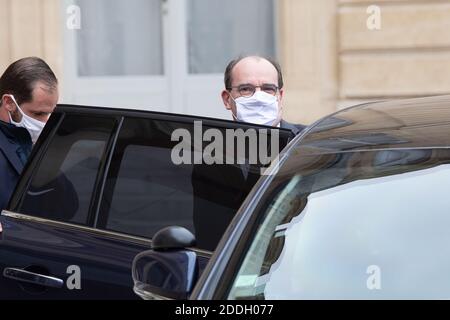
<point>227,76</point>
<point>20,78</point>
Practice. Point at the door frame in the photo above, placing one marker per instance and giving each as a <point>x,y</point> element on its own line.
<point>184,93</point>
<point>77,89</point>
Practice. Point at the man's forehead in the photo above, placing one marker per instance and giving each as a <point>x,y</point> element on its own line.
<point>43,88</point>
<point>256,69</point>
<point>44,97</point>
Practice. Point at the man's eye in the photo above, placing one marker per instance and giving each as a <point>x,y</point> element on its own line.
<point>246,89</point>
<point>269,89</point>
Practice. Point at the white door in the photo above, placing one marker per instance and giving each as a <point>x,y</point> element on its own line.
<point>117,57</point>
<point>162,55</point>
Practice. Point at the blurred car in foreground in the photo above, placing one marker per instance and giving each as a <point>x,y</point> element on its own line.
<point>358,209</point>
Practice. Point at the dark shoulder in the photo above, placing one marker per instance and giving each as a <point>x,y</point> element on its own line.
<point>296,128</point>
<point>4,141</point>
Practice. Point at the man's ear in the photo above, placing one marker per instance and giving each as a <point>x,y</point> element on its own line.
<point>280,96</point>
<point>8,103</point>
<point>226,98</point>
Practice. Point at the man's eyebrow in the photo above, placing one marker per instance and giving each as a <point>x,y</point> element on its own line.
<point>264,84</point>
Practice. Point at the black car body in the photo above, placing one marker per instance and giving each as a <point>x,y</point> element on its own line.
<point>99,183</point>
<point>359,209</point>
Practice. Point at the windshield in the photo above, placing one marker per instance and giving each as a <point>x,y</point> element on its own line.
<point>335,226</point>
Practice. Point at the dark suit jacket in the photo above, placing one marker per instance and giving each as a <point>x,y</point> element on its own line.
<point>295,128</point>
<point>15,147</point>
<point>219,191</point>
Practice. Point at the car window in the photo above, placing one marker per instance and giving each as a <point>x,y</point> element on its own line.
<point>146,190</point>
<point>370,225</point>
<point>63,182</point>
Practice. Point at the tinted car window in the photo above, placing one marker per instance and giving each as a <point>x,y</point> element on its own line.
<point>63,183</point>
<point>362,225</point>
<point>146,190</point>
<point>149,191</point>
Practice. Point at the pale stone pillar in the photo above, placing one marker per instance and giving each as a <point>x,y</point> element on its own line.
<point>31,28</point>
<point>407,56</point>
<point>308,54</point>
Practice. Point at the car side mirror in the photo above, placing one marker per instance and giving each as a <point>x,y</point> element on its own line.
<point>168,270</point>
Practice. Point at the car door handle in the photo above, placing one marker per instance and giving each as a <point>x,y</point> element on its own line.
<point>31,277</point>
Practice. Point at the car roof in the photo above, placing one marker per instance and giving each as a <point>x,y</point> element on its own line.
<point>399,124</point>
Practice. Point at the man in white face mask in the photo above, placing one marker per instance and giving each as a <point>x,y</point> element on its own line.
<point>28,95</point>
<point>254,92</point>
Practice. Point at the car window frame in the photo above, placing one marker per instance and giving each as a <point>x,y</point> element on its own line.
<point>48,134</point>
<point>40,150</point>
<point>101,219</point>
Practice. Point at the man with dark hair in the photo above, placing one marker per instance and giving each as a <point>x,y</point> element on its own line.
<point>29,94</point>
<point>254,92</point>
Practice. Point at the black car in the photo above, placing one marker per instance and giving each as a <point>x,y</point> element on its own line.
<point>98,185</point>
<point>358,209</point>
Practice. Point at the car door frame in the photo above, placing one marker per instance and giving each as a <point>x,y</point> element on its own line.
<point>97,194</point>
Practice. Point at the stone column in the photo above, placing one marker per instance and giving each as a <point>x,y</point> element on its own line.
<point>309,57</point>
<point>31,28</point>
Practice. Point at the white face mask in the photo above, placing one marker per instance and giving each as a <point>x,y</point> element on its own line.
<point>33,126</point>
<point>261,108</point>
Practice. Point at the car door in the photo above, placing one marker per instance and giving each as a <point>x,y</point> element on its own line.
<point>98,186</point>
